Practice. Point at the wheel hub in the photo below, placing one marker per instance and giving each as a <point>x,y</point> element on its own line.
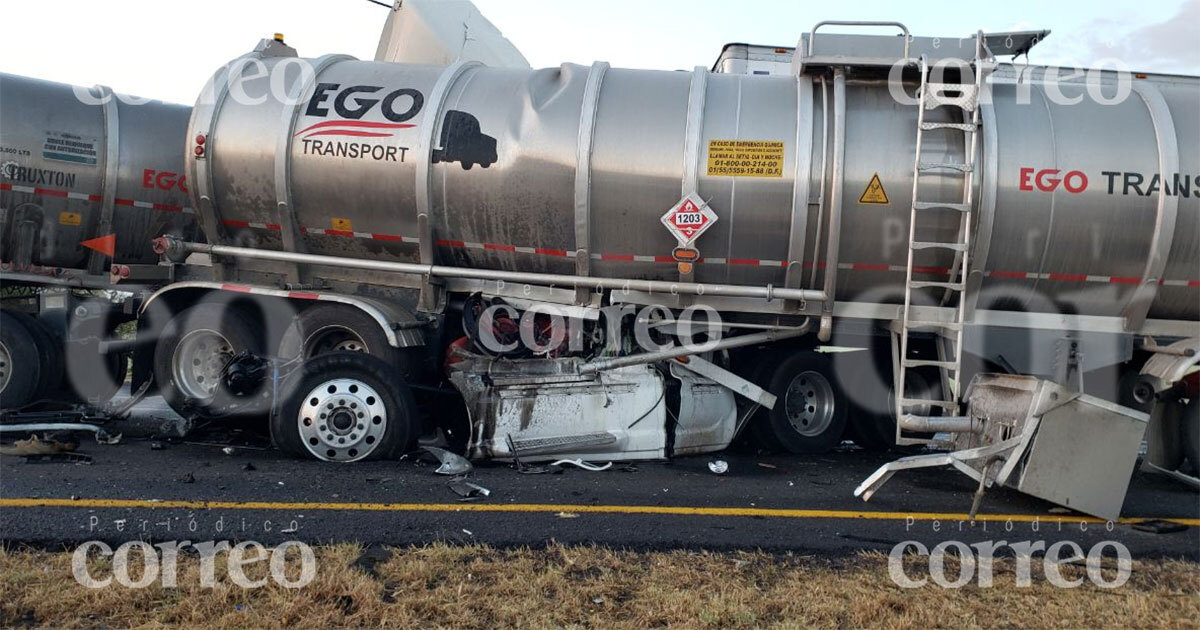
<point>809,403</point>
<point>198,361</point>
<point>334,339</point>
<point>342,420</point>
<point>5,366</point>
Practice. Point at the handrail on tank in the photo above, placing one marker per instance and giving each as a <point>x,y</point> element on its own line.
<point>812,35</point>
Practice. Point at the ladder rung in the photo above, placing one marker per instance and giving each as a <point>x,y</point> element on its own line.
<point>916,402</point>
<point>922,284</point>
<point>935,205</point>
<point>946,325</point>
<point>950,365</point>
<point>967,89</point>
<point>965,127</point>
<point>958,247</point>
<point>956,166</point>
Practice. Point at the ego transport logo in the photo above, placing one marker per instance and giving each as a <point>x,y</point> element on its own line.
<point>159,563</point>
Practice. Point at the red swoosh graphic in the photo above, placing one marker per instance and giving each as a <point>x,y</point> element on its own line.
<point>347,132</point>
<point>356,123</point>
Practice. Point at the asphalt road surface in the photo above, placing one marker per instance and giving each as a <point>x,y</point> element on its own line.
<point>194,490</point>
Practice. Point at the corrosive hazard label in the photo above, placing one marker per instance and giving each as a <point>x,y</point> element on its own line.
<point>745,158</point>
<point>874,194</point>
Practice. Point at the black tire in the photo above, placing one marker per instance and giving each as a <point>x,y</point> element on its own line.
<point>326,328</point>
<point>813,419</point>
<point>875,429</point>
<point>50,356</point>
<point>185,395</point>
<point>760,374</point>
<point>1189,431</point>
<point>399,422</point>
<point>21,365</point>
<point>94,377</point>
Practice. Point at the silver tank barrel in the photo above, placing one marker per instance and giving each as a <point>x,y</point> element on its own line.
<point>81,163</point>
<point>1083,208</point>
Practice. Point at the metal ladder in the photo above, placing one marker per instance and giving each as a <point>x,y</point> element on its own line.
<point>931,96</point>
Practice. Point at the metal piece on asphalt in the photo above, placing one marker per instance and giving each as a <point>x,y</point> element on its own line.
<point>451,463</point>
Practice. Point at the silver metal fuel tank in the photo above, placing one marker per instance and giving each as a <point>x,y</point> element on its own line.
<point>1086,208</point>
<point>81,163</point>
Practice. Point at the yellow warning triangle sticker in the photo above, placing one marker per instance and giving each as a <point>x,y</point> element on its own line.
<point>874,194</point>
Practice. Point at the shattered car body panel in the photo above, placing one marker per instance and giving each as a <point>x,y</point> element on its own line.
<point>543,409</point>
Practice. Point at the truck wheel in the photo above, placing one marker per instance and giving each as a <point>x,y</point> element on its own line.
<point>875,430</point>
<point>194,349</point>
<point>810,413</point>
<point>325,328</point>
<point>92,376</point>
<point>49,355</point>
<point>20,368</point>
<point>344,407</point>
<point>1189,430</point>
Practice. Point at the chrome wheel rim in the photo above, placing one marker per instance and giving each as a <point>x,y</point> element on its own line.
<point>333,339</point>
<point>5,366</point>
<point>809,403</point>
<point>197,363</point>
<point>342,420</point>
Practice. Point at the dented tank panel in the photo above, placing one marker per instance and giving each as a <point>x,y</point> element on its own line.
<point>569,170</point>
<point>70,155</point>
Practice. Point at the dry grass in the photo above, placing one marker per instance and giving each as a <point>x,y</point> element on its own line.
<point>480,587</point>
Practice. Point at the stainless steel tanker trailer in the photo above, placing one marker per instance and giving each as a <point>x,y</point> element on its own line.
<point>1015,221</point>
<point>913,199</point>
<point>87,179</point>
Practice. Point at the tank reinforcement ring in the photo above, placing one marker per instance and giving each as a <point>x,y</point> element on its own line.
<point>342,420</point>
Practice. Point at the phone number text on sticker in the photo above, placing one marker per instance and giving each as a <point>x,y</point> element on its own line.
<point>745,158</point>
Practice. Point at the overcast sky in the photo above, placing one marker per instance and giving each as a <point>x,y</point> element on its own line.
<point>167,48</point>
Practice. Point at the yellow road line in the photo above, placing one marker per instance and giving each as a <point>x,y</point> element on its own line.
<point>550,507</point>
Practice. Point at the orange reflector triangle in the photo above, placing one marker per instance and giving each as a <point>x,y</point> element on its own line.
<point>106,245</point>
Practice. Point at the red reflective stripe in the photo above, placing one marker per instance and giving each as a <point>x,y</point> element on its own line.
<point>1069,277</point>
<point>94,198</point>
<point>339,232</point>
<point>302,296</point>
<point>49,192</point>
<point>920,269</point>
<point>123,202</point>
<point>664,259</point>
<point>1016,275</point>
<point>1124,280</point>
<point>388,237</point>
<point>500,248</point>
<point>1194,283</point>
<point>872,267</point>
<point>5,186</point>
<point>743,261</point>
<point>167,207</point>
<point>550,252</point>
<point>275,227</point>
<point>235,287</point>
<point>233,223</point>
<point>627,257</point>
<point>450,243</point>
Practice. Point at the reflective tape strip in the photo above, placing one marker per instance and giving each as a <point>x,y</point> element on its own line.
<point>78,196</point>
<point>746,262</point>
